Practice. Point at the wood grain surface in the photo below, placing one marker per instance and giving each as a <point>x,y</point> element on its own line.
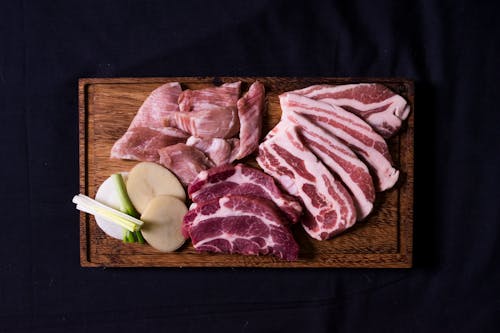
<point>106,108</point>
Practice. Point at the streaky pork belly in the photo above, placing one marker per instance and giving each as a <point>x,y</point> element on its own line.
<point>351,130</point>
<point>378,105</point>
<point>329,206</point>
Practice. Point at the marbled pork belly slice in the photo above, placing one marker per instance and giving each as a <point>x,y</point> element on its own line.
<point>142,143</point>
<point>250,114</point>
<point>218,150</point>
<point>242,180</point>
<point>338,157</point>
<point>329,206</point>
<point>379,106</point>
<point>240,224</point>
<point>352,130</point>
<point>184,161</point>
<point>223,96</point>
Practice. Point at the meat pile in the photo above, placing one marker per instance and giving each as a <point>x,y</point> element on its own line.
<point>329,151</point>
<point>192,130</point>
<point>238,209</point>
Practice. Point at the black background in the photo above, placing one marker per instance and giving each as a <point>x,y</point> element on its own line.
<point>451,49</point>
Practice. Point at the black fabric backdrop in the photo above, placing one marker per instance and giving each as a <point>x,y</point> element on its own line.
<point>451,49</point>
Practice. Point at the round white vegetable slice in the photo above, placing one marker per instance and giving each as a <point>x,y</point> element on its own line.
<point>163,222</point>
<point>107,194</point>
<point>147,180</point>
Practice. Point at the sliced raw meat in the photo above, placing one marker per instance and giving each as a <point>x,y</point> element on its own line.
<point>250,113</point>
<point>242,180</point>
<point>184,161</point>
<point>349,128</point>
<point>339,158</point>
<point>375,103</point>
<point>220,122</point>
<point>142,143</point>
<point>329,206</point>
<point>218,150</point>
<point>240,224</point>
<point>223,96</point>
<point>157,105</point>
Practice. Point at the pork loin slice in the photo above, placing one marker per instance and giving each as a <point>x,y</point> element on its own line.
<point>339,158</point>
<point>184,161</point>
<point>242,180</point>
<point>240,224</point>
<point>250,114</point>
<point>379,106</point>
<point>329,206</point>
<point>142,143</point>
<point>223,96</point>
<point>220,122</point>
<point>349,128</point>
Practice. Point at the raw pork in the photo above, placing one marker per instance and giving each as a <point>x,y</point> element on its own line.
<point>223,96</point>
<point>220,122</point>
<point>240,224</point>
<point>339,158</point>
<point>218,150</point>
<point>329,206</point>
<point>351,129</point>
<point>184,161</point>
<point>250,113</point>
<point>157,105</point>
<point>242,180</point>
<point>375,103</point>
<point>142,143</point>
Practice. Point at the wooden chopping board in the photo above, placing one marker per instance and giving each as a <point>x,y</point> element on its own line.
<point>106,108</point>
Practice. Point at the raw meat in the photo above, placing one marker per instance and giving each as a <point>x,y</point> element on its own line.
<point>250,113</point>
<point>157,105</point>
<point>184,161</point>
<point>349,128</point>
<point>147,133</point>
<point>329,207</point>
<point>223,96</point>
<point>218,150</point>
<point>142,143</point>
<point>375,103</point>
<point>242,180</point>
<point>240,224</point>
<point>220,122</point>
<point>339,158</point>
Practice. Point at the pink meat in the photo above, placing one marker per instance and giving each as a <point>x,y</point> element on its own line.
<point>223,96</point>
<point>339,158</point>
<point>157,105</point>
<point>349,128</point>
<point>221,122</point>
<point>184,161</point>
<point>250,113</point>
<point>142,143</point>
<point>329,206</point>
<point>242,180</point>
<point>375,103</point>
<point>218,150</point>
<point>240,224</point>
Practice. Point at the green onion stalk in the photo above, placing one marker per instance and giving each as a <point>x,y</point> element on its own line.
<point>128,208</point>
